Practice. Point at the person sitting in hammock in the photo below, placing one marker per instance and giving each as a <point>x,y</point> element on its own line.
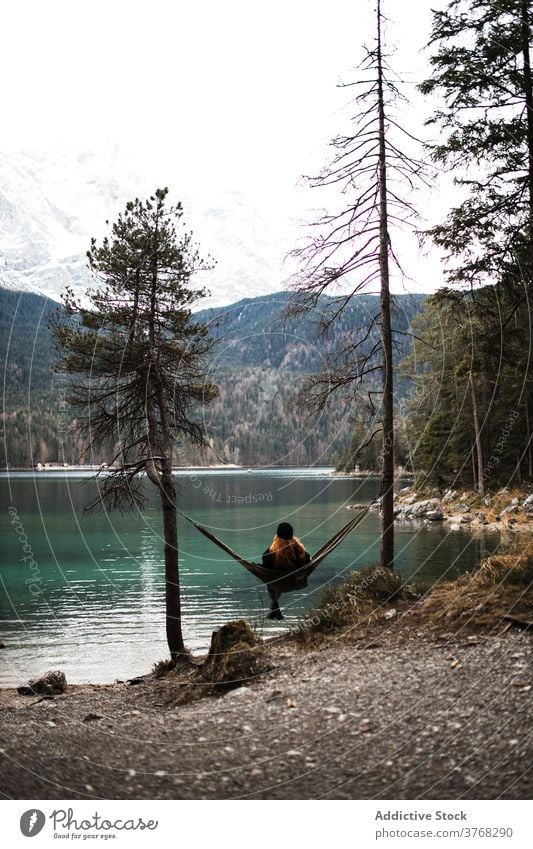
<point>286,554</point>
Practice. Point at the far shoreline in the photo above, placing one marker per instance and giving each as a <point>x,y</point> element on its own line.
<point>55,469</point>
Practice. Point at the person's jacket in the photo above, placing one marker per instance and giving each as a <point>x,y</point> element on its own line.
<point>286,555</point>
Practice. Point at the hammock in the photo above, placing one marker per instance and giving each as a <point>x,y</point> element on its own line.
<point>284,582</point>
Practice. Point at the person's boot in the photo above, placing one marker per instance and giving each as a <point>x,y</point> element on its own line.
<point>275,613</point>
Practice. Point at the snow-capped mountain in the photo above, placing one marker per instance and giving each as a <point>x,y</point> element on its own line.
<point>51,206</point>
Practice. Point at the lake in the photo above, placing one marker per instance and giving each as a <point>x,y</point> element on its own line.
<point>87,594</point>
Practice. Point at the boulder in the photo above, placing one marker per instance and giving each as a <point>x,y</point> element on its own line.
<point>527,506</point>
<point>435,515</point>
<point>52,683</point>
<point>449,495</point>
<point>421,508</point>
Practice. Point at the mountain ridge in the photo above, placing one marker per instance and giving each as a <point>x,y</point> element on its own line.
<point>259,367</point>
<point>51,207</point>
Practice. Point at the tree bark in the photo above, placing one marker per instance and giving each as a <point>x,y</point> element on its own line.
<point>387,472</point>
<point>528,91</point>
<point>477,435</point>
<point>163,480</point>
<point>172,576</point>
<point>474,471</point>
<point>528,443</point>
<point>518,471</point>
<point>170,528</point>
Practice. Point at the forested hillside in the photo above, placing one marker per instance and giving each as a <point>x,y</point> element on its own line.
<point>259,366</point>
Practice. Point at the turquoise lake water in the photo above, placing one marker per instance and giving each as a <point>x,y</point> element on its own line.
<point>96,609</point>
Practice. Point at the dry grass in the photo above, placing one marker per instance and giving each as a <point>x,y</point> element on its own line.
<point>162,668</point>
<point>353,604</point>
<point>499,501</point>
<point>502,586</point>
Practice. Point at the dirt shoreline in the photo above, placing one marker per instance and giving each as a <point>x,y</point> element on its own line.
<point>392,713</point>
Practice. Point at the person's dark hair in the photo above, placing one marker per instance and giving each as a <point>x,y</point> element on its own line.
<point>285,531</point>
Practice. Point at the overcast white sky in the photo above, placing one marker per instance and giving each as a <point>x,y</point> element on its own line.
<point>232,93</point>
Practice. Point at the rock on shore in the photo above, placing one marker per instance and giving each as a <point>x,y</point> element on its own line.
<point>429,508</point>
<point>504,510</point>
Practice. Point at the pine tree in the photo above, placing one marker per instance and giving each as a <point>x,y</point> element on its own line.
<point>140,363</point>
<point>469,418</point>
<point>482,69</point>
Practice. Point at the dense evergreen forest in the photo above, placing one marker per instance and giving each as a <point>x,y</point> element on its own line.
<point>471,408</point>
<point>259,365</point>
<point>467,416</point>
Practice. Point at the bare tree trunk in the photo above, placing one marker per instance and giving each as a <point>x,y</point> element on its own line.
<point>474,475</point>
<point>528,443</point>
<point>387,472</point>
<point>528,91</point>
<point>477,434</point>
<point>170,527</point>
<point>518,470</point>
<point>172,575</point>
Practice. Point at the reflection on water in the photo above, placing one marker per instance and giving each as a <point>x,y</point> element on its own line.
<point>98,613</point>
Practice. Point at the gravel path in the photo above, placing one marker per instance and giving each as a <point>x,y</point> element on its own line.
<point>412,718</point>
